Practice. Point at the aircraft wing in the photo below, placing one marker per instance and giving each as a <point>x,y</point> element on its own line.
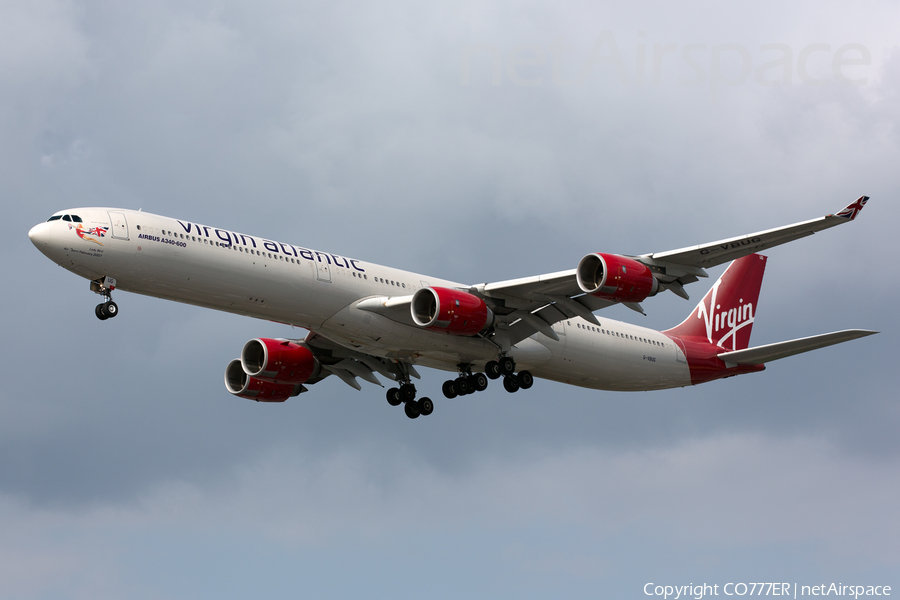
<point>533,304</point>
<point>770,352</point>
<point>525,306</point>
<point>722,251</point>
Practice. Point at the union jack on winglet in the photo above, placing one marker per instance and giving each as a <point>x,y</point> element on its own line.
<point>852,210</point>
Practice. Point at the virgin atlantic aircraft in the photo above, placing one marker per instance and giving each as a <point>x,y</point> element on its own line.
<point>365,319</point>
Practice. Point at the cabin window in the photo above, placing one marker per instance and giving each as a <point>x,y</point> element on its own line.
<point>76,219</point>
<point>67,218</point>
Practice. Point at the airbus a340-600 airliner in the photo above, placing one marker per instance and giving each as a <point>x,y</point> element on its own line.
<point>365,319</point>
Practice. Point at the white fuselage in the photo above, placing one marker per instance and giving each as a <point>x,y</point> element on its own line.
<point>265,279</point>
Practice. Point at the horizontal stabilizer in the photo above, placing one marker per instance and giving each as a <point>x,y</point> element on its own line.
<point>770,352</point>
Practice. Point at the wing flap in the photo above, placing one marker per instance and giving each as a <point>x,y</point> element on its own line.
<point>770,352</point>
<point>522,293</point>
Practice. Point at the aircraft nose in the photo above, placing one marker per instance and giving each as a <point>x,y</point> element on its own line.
<point>40,234</point>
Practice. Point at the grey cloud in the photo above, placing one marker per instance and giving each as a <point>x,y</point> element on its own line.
<point>345,128</point>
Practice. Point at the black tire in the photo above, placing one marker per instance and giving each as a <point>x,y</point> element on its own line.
<point>511,384</point>
<point>426,407</point>
<point>507,366</point>
<point>407,392</point>
<point>412,409</point>
<point>101,312</point>
<point>393,396</point>
<point>481,382</point>
<point>525,379</point>
<point>461,386</point>
<point>449,389</point>
<point>492,369</point>
<point>111,309</point>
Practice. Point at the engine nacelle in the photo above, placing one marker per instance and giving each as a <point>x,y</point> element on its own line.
<point>451,311</point>
<point>615,278</point>
<point>242,385</point>
<point>278,361</point>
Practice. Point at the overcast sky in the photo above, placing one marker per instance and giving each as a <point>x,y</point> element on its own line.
<point>476,141</point>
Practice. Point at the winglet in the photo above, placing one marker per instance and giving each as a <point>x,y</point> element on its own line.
<point>851,210</point>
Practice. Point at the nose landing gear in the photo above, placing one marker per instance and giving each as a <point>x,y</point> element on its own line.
<point>104,287</point>
<point>106,310</point>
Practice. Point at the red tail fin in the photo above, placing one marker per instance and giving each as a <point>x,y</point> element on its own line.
<point>725,315</point>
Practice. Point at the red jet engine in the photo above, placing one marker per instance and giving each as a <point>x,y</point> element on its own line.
<point>277,361</point>
<point>243,386</point>
<point>270,370</point>
<point>616,278</point>
<point>450,311</point>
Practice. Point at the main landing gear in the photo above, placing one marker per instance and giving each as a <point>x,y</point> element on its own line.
<point>469,383</point>
<point>104,287</point>
<point>466,383</point>
<point>406,394</point>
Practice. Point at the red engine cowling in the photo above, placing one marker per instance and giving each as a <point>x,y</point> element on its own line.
<point>451,311</point>
<point>615,278</point>
<point>278,361</point>
<point>242,385</point>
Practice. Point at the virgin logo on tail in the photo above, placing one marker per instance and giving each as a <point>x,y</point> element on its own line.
<point>725,322</point>
<point>725,315</point>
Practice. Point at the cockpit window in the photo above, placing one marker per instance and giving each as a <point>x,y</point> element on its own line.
<point>67,218</point>
<point>54,218</point>
<point>76,219</point>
